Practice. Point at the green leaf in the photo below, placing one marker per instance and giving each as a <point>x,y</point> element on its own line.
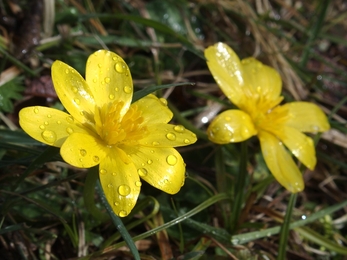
<point>10,91</point>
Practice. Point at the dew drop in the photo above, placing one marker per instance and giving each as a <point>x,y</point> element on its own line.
<point>69,130</point>
<point>70,119</point>
<point>83,152</point>
<point>109,186</point>
<point>142,172</point>
<point>155,143</point>
<point>114,58</point>
<point>186,141</point>
<point>171,160</point>
<point>77,101</point>
<point>67,71</point>
<point>111,96</point>
<point>49,136</point>
<point>42,127</point>
<point>107,80</point>
<point>179,128</point>
<point>244,132</point>
<point>116,89</point>
<point>36,110</point>
<point>49,116</point>
<point>166,181</point>
<point>102,171</point>
<point>124,190</point>
<point>171,136</point>
<point>116,203</point>
<point>120,67</point>
<point>138,183</point>
<point>122,213</point>
<point>99,65</point>
<point>96,158</point>
<point>127,89</point>
<point>46,123</point>
<point>58,122</point>
<point>163,101</point>
<point>227,118</point>
<point>149,162</point>
<point>114,173</point>
<point>95,80</point>
<point>74,89</point>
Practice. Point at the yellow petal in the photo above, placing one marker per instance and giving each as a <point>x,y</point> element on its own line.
<point>306,117</point>
<point>263,81</point>
<point>154,110</point>
<point>300,145</point>
<point>231,126</point>
<point>109,79</point>
<point>166,135</point>
<point>48,125</point>
<point>83,150</point>
<point>163,168</point>
<point>280,163</point>
<point>120,182</point>
<point>73,91</point>
<point>226,69</point>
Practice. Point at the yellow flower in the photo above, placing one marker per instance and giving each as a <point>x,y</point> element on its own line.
<point>255,88</point>
<point>129,142</point>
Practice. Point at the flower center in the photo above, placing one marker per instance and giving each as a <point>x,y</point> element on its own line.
<point>115,129</point>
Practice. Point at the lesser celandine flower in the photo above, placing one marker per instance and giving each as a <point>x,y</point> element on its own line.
<point>129,142</point>
<point>255,89</point>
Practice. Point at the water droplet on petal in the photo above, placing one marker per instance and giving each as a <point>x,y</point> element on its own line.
<point>42,127</point>
<point>99,65</point>
<point>122,213</point>
<point>49,136</point>
<point>163,101</point>
<point>127,89</point>
<point>179,128</point>
<point>58,122</point>
<point>149,162</point>
<point>107,80</point>
<point>77,101</point>
<point>186,141</point>
<point>83,152</point>
<point>46,123</point>
<point>109,186</point>
<point>67,71</point>
<point>96,158</point>
<point>227,118</point>
<point>171,160</point>
<point>49,116</point>
<point>138,183</point>
<point>116,89</point>
<point>102,171</point>
<point>69,130</point>
<point>36,110</point>
<point>70,119</point>
<point>95,80</point>
<point>124,190</point>
<point>171,136</point>
<point>155,143</point>
<point>111,96</point>
<point>74,89</point>
<point>142,172</point>
<point>116,203</point>
<point>120,67</point>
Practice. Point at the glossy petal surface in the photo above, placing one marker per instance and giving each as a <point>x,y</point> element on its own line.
<point>162,168</point>
<point>48,125</point>
<point>306,117</point>
<point>120,182</point>
<point>300,145</point>
<point>166,135</point>
<point>73,91</point>
<point>261,79</point>
<point>231,126</point>
<point>154,110</point>
<point>109,79</point>
<point>226,69</point>
<point>280,163</point>
<point>83,150</point>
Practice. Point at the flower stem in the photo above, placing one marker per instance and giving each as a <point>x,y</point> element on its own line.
<point>239,188</point>
<point>118,223</point>
<point>285,227</point>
